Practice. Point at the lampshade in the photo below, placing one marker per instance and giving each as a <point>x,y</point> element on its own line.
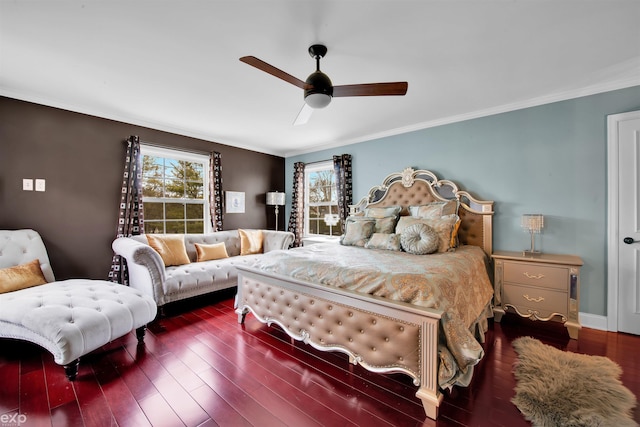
<point>532,223</point>
<point>275,198</point>
<point>331,219</point>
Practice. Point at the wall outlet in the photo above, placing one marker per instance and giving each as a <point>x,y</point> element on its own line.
<point>27,184</point>
<point>40,184</point>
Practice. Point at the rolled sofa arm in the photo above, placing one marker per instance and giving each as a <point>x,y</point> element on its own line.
<point>273,240</point>
<point>145,267</point>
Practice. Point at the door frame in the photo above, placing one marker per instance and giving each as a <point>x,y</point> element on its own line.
<point>613,234</point>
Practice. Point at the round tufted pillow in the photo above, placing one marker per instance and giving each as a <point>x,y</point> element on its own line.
<point>419,239</point>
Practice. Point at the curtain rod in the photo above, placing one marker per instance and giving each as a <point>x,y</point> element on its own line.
<point>167,147</point>
<point>318,161</point>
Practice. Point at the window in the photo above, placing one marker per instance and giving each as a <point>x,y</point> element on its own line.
<point>321,200</point>
<point>174,191</point>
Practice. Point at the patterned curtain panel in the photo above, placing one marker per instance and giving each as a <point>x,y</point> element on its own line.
<point>344,185</point>
<point>296,219</point>
<point>215,190</point>
<point>131,219</point>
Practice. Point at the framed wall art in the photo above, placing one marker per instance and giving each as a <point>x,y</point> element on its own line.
<point>234,202</point>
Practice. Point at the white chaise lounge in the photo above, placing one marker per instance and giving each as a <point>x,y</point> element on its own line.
<point>69,318</point>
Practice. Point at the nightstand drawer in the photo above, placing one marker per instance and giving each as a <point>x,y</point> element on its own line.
<point>545,301</point>
<point>536,275</point>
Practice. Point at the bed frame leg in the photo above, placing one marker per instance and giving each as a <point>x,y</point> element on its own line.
<point>430,401</point>
<point>242,314</point>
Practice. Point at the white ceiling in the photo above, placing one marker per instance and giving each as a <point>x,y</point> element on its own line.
<point>173,65</point>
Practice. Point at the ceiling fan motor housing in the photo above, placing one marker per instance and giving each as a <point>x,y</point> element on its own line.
<point>318,90</point>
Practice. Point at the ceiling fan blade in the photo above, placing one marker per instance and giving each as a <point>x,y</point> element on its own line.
<point>371,89</point>
<point>267,68</point>
<point>303,115</point>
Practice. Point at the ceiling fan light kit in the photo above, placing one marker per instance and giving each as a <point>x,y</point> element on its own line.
<point>318,89</point>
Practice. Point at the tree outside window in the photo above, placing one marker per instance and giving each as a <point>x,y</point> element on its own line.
<point>174,191</point>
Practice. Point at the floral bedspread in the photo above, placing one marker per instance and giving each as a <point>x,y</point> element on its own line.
<point>455,282</point>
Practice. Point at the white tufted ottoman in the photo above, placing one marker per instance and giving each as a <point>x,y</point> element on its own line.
<point>68,318</point>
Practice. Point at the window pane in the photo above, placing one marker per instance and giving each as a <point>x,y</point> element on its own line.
<point>194,190</point>
<point>314,211</point>
<point>314,226</point>
<point>195,226</point>
<point>195,211</point>
<point>152,166</point>
<point>323,228</point>
<point>195,170</point>
<point>153,211</point>
<point>152,187</point>
<point>174,211</point>
<point>173,189</point>
<point>154,227</point>
<point>175,227</point>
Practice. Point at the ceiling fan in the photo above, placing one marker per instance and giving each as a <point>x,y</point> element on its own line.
<point>318,89</point>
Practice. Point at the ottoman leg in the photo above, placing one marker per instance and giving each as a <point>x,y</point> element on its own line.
<point>71,369</point>
<point>140,333</point>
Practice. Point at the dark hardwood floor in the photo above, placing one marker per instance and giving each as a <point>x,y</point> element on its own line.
<point>199,367</point>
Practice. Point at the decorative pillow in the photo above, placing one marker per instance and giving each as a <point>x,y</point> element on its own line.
<point>210,252</point>
<point>170,247</point>
<point>383,212</point>
<point>434,210</point>
<point>357,233</point>
<point>386,225</point>
<point>21,276</point>
<point>383,225</point>
<point>250,242</point>
<point>420,239</point>
<point>389,242</point>
<point>406,221</point>
<point>446,227</point>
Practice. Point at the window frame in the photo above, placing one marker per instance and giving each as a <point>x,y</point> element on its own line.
<point>181,155</point>
<point>308,169</point>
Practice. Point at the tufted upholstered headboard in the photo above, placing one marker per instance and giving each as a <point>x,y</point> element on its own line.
<point>416,187</point>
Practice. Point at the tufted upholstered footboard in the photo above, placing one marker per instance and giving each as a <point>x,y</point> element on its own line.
<point>381,335</point>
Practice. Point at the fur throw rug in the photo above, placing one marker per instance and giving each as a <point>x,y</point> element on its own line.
<point>558,388</point>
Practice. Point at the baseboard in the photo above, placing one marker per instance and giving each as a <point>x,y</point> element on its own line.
<point>593,321</point>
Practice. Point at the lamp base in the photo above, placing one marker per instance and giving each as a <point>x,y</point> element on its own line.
<point>531,253</point>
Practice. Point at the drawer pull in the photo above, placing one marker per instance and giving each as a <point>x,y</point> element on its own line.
<point>533,276</point>
<point>528,298</point>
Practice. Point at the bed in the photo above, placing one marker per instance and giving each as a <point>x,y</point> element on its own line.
<point>389,311</point>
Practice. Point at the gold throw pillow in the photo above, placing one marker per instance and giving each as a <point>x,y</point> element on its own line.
<point>211,252</point>
<point>170,247</point>
<point>250,242</point>
<point>21,276</point>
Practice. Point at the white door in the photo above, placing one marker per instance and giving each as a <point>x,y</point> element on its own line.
<point>624,243</point>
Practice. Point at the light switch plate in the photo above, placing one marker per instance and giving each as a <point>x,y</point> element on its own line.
<point>27,184</point>
<point>40,184</point>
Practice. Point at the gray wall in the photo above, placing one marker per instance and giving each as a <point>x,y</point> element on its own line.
<point>550,159</point>
<point>82,157</point>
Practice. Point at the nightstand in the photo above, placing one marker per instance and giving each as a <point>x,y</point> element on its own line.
<point>542,287</point>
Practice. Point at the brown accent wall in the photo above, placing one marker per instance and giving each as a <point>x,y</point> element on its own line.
<point>81,157</point>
